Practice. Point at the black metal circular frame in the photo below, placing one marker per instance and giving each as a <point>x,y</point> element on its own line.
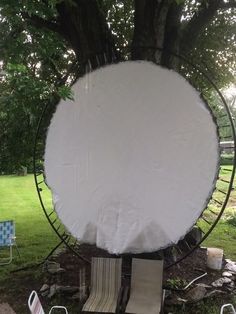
<point>220,196</point>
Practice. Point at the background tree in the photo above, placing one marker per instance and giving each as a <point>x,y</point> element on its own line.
<point>45,45</point>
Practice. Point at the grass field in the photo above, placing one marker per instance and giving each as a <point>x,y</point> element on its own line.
<point>35,237</point>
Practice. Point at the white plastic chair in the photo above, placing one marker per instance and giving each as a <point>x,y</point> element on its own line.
<point>7,239</point>
<point>35,305</point>
<point>229,306</point>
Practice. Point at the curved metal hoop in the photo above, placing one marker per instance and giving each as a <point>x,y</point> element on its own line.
<point>208,219</point>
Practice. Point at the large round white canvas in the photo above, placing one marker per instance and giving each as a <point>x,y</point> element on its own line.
<point>132,160</point>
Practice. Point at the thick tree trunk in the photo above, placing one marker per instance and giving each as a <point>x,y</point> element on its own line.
<point>172,36</point>
<point>157,24</point>
<point>84,27</point>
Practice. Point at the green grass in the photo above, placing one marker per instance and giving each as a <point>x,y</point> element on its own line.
<point>35,237</point>
<point>224,234</point>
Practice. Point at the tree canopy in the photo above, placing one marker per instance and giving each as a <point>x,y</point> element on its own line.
<point>45,45</point>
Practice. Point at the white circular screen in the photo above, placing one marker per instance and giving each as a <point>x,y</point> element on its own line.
<point>132,161</point>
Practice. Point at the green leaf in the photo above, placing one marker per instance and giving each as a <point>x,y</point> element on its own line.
<point>65,92</point>
<point>179,1</point>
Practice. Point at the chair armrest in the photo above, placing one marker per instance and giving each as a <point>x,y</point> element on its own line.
<point>58,307</point>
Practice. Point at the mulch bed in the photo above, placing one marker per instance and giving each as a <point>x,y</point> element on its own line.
<point>188,269</point>
<point>22,284</point>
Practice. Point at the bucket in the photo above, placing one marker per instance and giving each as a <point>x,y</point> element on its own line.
<point>214,258</point>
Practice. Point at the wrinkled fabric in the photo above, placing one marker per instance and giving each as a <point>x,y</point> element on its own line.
<point>132,161</point>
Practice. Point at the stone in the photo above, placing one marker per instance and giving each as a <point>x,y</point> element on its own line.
<point>44,287</point>
<point>203,285</point>
<point>220,282</point>
<point>68,289</point>
<point>227,274</point>
<point>214,292</point>
<point>231,266</point>
<point>228,260</point>
<point>231,286</point>
<point>53,267</point>
<point>53,290</point>
<point>196,294</point>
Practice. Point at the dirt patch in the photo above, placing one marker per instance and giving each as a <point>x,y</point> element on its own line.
<point>17,290</point>
<point>6,309</point>
<point>190,268</point>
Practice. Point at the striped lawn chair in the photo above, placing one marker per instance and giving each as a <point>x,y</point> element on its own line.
<point>7,239</point>
<point>36,307</point>
<point>146,294</point>
<point>105,288</point>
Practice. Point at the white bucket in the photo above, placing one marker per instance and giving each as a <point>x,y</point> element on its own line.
<point>214,258</point>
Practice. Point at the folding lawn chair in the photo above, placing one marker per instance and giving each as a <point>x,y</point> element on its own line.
<point>7,239</point>
<point>146,294</point>
<point>230,306</point>
<point>105,289</point>
<point>36,307</point>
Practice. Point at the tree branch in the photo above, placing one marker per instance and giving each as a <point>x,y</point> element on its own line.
<point>85,28</point>
<point>227,5</point>
<point>39,22</point>
<point>198,23</point>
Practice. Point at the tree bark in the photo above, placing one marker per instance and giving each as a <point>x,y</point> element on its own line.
<point>84,27</point>
<point>157,24</point>
<point>144,29</point>
<point>172,36</point>
<point>198,23</point>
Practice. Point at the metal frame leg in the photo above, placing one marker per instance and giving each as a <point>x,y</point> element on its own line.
<point>8,260</point>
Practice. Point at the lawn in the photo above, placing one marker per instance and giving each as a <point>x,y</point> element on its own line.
<point>35,237</point>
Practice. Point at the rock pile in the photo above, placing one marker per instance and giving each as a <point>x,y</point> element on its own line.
<point>226,283</point>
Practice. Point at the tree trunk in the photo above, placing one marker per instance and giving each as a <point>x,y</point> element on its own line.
<point>157,24</point>
<point>172,36</point>
<point>84,27</point>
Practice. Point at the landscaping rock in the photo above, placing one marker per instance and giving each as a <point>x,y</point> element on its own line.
<point>196,294</point>
<point>214,292</point>
<point>68,290</point>
<point>220,282</point>
<point>45,289</point>
<point>231,267</point>
<point>203,285</point>
<point>53,267</point>
<point>231,286</point>
<point>53,290</point>
<point>227,274</point>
